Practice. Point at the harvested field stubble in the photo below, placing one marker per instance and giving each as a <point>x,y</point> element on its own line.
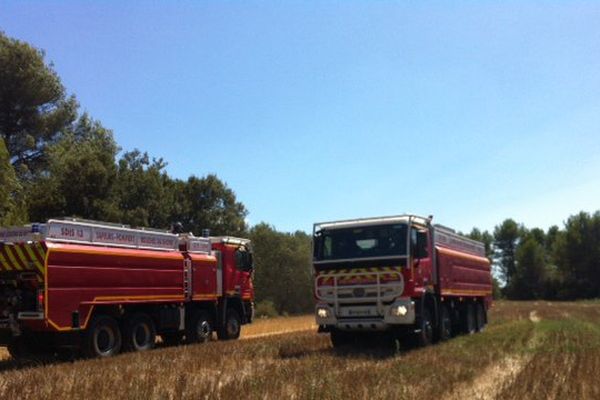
<point>532,350</point>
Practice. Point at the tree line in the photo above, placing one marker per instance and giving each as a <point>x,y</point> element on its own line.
<point>560,264</point>
<point>58,162</point>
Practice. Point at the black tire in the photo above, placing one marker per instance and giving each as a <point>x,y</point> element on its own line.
<point>445,326</point>
<point>199,328</point>
<point>172,338</point>
<point>469,324</point>
<point>102,338</point>
<point>424,334</point>
<point>341,339</point>
<point>480,317</point>
<point>232,325</point>
<point>139,333</point>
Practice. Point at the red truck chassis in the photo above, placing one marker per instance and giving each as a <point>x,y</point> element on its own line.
<point>400,275</point>
<point>104,288</point>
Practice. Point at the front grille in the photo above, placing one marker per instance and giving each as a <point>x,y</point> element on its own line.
<point>364,286</point>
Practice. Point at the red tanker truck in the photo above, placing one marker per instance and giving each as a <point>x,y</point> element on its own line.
<point>102,288</point>
<point>401,275</point>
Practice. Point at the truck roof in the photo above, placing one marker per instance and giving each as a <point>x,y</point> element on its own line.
<point>110,234</point>
<point>229,240</point>
<point>93,233</point>
<point>448,238</point>
<point>443,236</point>
<point>350,223</point>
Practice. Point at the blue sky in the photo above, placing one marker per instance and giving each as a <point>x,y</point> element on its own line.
<point>312,111</point>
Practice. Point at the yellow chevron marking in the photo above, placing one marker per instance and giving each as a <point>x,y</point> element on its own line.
<point>5,263</point>
<point>19,253</point>
<point>12,259</point>
<point>40,250</point>
<point>35,259</point>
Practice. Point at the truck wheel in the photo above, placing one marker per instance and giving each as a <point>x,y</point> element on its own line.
<point>445,328</point>
<point>480,317</point>
<point>424,334</point>
<point>139,333</point>
<point>199,328</point>
<point>102,338</point>
<point>469,319</point>
<point>341,338</point>
<point>232,327</point>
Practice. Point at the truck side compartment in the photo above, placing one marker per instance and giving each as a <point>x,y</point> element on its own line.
<point>80,278</point>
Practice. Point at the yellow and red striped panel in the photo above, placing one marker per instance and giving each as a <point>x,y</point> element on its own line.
<point>360,275</point>
<point>23,257</point>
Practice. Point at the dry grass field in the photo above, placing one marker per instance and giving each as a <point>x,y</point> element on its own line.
<point>530,350</point>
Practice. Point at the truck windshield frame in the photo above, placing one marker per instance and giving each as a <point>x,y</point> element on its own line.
<point>368,242</point>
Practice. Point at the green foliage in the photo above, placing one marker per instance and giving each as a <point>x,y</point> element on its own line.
<point>80,175</point>
<point>208,203</point>
<point>266,308</point>
<point>34,109</point>
<point>536,234</point>
<point>83,180</point>
<point>283,269</point>
<point>530,275</point>
<point>551,236</point>
<point>577,252</point>
<point>486,238</point>
<point>11,208</point>
<point>557,264</point>
<point>506,236</point>
<point>143,191</point>
<point>496,289</point>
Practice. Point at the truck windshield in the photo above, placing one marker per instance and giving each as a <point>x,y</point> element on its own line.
<point>361,242</point>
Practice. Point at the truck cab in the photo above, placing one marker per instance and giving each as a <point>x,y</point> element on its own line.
<point>236,257</point>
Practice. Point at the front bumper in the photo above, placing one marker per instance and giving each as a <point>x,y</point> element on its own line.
<point>366,316</point>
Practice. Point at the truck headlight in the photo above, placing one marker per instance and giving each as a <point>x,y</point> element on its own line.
<point>399,311</point>
<point>322,312</point>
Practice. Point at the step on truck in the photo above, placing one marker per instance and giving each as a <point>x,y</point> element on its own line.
<point>402,276</point>
<point>98,289</point>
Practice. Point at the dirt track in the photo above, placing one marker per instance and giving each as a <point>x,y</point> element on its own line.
<point>278,326</point>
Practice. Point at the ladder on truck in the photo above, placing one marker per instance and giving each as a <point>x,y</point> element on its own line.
<point>194,245</point>
<point>91,232</point>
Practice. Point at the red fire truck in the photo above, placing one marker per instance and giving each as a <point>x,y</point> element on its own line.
<point>102,288</point>
<point>401,275</point>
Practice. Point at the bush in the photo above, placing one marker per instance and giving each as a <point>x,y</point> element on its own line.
<point>265,309</point>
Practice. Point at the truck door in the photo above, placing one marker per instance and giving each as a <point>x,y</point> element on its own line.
<point>421,255</point>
